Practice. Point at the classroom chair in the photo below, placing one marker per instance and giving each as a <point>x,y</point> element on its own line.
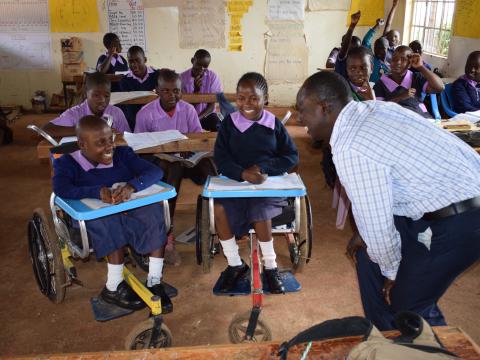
<point>447,100</point>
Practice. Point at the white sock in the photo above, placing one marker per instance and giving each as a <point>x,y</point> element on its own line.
<point>155,269</point>
<point>230,249</point>
<point>268,253</point>
<point>114,276</point>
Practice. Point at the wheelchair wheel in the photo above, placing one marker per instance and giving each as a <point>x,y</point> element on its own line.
<point>141,260</point>
<point>203,238</point>
<point>238,329</point>
<point>46,257</point>
<point>139,337</point>
<point>301,249</point>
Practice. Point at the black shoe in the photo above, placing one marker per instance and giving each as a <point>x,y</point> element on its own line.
<point>275,283</point>
<point>159,290</point>
<point>231,275</point>
<point>124,297</point>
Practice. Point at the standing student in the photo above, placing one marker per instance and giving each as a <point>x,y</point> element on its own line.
<point>380,48</point>
<point>111,61</point>
<point>406,87</point>
<point>169,112</point>
<point>200,79</point>
<point>90,173</point>
<point>393,36</point>
<point>97,103</point>
<point>251,145</point>
<point>415,193</point>
<point>140,77</point>
<point>341,63</point>
<point>466,89</point>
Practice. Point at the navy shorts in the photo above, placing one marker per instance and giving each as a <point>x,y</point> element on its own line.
<point>243,212</point>
<point>142,228</point>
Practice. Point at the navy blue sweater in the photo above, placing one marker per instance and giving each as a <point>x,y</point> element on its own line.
<point>272,150</point>
<point>465,96</point>
<point>130,84</point>
<point>70,181</point>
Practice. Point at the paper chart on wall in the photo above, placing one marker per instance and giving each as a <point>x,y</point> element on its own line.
<point>236,9</point>
<point>371,11</point>
<point>319,5</point>
<point>126,18</point>
<point>25,51</point>
<point>287,53</point>
<point>24,16</point>
<point>201,24</point>
<point>73,16</point>
<point>293,10</point>
<point>466,22</point>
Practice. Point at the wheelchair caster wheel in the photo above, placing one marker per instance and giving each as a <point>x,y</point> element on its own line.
<point>140,336</point>
<point>238,329</point>
<point>301,248</point>
<point>46,257</point>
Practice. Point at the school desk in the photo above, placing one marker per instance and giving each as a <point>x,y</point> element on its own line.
<point>79,80</point>
<point>453,338</point>
<point>190,98</point>
<point>196,142</point>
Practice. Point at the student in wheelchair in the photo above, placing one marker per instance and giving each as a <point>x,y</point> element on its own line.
<point>251,145</point>
<point>89,173</point>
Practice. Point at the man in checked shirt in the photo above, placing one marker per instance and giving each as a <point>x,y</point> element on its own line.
<point>415,193</point>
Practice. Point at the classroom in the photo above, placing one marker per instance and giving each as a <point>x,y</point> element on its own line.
<point>211,178</point>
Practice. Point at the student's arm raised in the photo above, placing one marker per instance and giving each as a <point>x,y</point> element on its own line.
<point>390,16</point>
<point>348,36</point>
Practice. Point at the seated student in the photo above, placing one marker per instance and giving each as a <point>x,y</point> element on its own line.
<point>112,61</point>
<point>140,77</point>
<point>416,47</point>
<point>341,63</point>
<point>168,113</point>
<point>332,57</point>
<point>393,36</point>
<point>251,145</point>
<point>89,173</point>
<point>199,79</point>
<point>359,71</point>
<point>466,89</point>
<point>405,87</point>
<point>97,103</point>
<point>380,47</point>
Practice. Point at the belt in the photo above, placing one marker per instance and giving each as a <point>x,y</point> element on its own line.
<point>453,209</point>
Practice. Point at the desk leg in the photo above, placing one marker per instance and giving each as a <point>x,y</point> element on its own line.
<point>65,94</point>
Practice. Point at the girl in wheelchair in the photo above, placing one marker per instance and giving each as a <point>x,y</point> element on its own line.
<point>251,145</point>
<point>89,173</point>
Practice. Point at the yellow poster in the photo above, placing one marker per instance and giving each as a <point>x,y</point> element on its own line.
<point>371,11</point>
<point>465,22</point>
<point>73,15</point>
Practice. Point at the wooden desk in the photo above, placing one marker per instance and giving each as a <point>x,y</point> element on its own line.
<point>190,98</point>
<point>195,142</point>
<point>454,340</point>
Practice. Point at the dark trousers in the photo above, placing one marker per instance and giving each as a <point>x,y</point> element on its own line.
<point>175,172</point>
<point>424,274</point>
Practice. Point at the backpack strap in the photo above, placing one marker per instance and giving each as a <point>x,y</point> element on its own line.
<point>349,326</point>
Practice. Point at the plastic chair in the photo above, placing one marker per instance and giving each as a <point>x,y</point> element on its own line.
<point>447,100</point>
<point>434,104</point>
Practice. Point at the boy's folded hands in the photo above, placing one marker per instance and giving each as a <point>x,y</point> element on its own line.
<point>254,175</point>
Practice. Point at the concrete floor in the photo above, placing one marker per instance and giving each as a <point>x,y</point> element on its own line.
<point>33,325</point>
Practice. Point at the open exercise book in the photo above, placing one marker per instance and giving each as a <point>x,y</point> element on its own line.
<point>285,182</point>
<point>121,96</point>
<point>139,141</point>
<point>95,204</point>
<point>189,159</point>
<point>472,117</point>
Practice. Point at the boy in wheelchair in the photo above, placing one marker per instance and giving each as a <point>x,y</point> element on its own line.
<point>89,173</point>
<point>251,144</point>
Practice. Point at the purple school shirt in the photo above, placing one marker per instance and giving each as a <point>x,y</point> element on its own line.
<point>152,118</point>
<point>243,124</point>
<point>469,81</point>
<point>210,85</point>
<point>85,164</point>
<point>70,117</point>
<point>141,81</point>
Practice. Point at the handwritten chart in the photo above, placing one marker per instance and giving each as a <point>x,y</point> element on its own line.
<point>126,18</point>
<point>24,16</point>
<point>25,51</point>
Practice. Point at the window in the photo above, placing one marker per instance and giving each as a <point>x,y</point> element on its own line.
<point>431,24</point>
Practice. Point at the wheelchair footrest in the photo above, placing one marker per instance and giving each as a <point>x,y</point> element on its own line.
<point>103,311</point>
<point>243,284</point>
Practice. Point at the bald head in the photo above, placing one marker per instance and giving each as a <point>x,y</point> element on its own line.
<point>90,124</point>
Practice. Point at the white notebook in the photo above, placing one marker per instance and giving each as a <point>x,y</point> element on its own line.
<point>139,141</point>
<point>286,182</point>
<point>121,96</point>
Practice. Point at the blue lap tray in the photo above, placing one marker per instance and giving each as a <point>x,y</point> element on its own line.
<point>243,284</point>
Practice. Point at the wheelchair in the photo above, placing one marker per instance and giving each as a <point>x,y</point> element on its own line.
<point>53,243</point>
<point>295,222</point>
